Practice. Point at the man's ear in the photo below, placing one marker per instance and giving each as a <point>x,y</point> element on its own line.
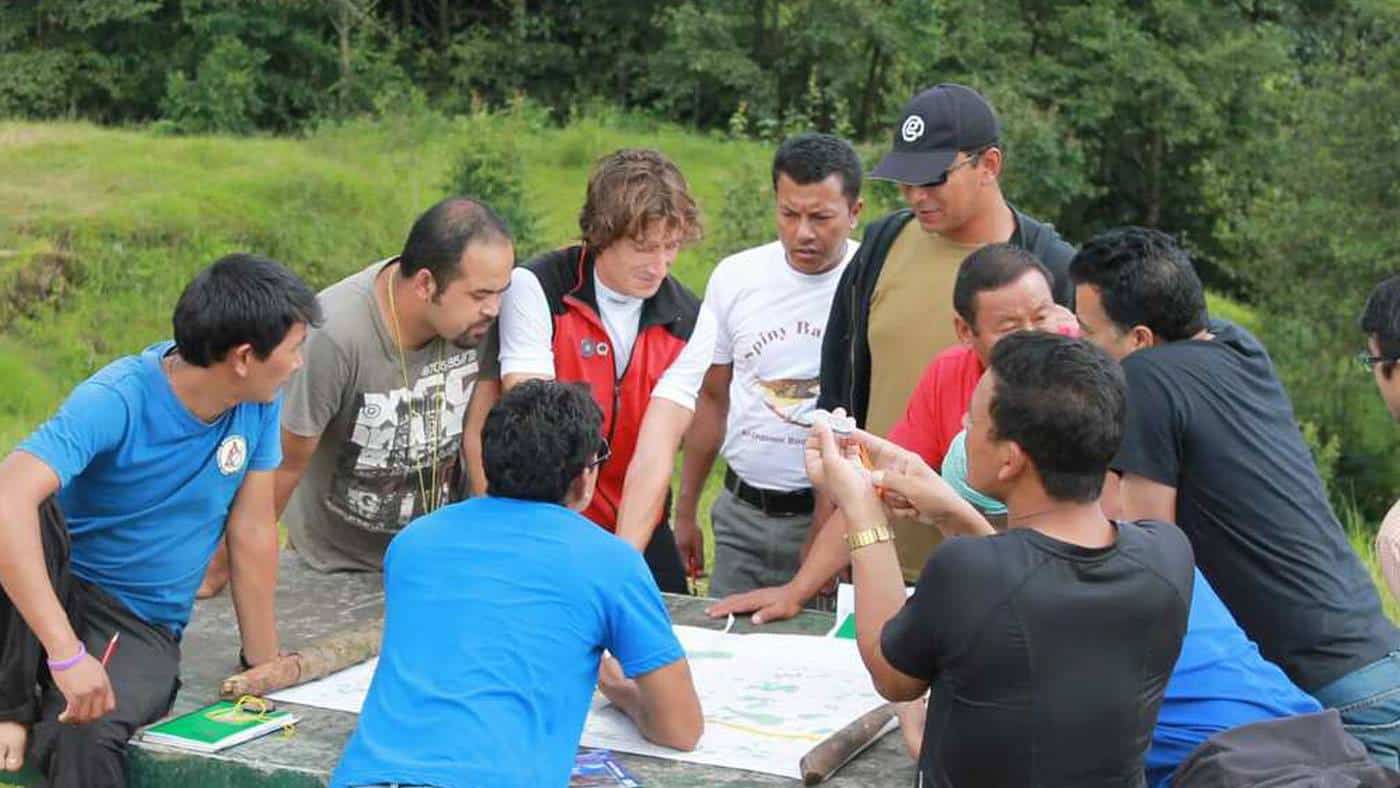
<point>424,285</point>
<point>1141,336</point>
<point>581,489</point>
<point>1012,461</point>
<point>991,162</point>
<point>963,329</point>
<point>240,359</point>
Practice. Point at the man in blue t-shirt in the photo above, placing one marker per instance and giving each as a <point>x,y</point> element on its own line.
<point>110,511</point>
<point>497,612</point>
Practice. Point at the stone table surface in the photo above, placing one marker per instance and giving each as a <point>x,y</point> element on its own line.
<point>311,605</point>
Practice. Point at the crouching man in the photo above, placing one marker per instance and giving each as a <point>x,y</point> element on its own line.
<point>497,612</point>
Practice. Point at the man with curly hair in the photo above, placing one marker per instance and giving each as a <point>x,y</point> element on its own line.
<point>607,312</point>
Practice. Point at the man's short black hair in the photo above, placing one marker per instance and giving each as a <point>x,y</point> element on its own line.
<point>240,299</point>
<point>442,234</point>
<point>992,267</point>
<point>1381,317</point>
<point>812,158</point>
<point>1144,278</point>
<point>1063,400</point>
<point>538,439</point>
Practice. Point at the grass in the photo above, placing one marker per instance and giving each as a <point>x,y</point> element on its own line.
<point>138,214</point>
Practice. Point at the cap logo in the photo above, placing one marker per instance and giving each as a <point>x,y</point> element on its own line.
<point>912,129</point>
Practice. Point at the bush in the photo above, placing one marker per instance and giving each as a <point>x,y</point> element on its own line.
<point>492,170</point>
<point>223,96</point>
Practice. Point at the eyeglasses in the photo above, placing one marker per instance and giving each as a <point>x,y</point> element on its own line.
<point>601,456</point>
<point>942,179</point>
<point>1367,361</point>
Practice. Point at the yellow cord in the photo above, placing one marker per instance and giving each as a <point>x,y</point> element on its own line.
<point>430,502</point>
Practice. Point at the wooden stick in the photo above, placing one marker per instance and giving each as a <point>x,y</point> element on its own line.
<point>318,658</point>
<point>839,748</point>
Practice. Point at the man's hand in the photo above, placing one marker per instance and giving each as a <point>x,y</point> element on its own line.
<point>13,737</point>
<point>691,542</point>
<point>767,604</point>
<point>837,467</point>
<point>86,688</point>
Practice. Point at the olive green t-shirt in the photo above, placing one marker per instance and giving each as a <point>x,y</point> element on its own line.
<point>911,321</point>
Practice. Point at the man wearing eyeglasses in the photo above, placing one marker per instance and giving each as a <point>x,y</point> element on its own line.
<point>1380,321</point>
<point>498,696</point>
<point>893,308</point>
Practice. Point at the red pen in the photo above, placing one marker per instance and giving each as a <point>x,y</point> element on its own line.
<point>111,649</point>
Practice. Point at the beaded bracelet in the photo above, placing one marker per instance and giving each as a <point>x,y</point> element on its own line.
<point>64,664</point>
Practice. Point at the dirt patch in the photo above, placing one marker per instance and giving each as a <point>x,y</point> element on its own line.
<point>32,280</point>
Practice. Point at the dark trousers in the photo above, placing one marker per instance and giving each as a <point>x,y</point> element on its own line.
<point>144,673</point>
<point>664,560</point>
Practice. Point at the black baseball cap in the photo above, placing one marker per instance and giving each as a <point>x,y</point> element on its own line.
<point>936,124</point>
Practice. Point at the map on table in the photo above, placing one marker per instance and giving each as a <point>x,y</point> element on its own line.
<point>767,699</point>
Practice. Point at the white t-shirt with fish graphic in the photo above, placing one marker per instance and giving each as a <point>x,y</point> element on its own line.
<point>770,318</point>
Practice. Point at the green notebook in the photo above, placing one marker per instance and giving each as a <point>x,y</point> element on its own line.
<point>217,726</point>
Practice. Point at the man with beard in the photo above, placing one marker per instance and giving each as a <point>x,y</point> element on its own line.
<point>373,422</point>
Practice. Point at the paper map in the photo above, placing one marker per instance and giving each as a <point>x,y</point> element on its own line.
<point>767,699</point>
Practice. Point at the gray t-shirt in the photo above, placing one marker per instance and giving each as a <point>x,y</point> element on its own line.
<point>390,427</point>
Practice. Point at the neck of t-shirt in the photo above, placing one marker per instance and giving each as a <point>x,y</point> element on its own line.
<point>612,297</point>
<point>818,276</point>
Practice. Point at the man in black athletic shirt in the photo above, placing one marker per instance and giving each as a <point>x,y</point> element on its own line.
<point>1211,443</point>
<point>1049,645</point>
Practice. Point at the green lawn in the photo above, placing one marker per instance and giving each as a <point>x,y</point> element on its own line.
<point>131,215</point>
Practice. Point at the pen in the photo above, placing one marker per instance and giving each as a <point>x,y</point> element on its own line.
<point>111,648</point>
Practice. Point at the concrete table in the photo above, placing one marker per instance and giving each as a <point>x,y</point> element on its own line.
<point>311,605</point>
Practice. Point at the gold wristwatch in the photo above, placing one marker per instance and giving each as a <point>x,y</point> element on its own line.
<point>869,536</point>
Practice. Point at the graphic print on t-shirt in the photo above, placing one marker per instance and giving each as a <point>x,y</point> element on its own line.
<point>398,438</point>
<point>789,398</point>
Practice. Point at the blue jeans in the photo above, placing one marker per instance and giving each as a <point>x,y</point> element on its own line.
<point>1369,701</point>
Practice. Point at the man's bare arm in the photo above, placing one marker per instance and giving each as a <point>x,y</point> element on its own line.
<point>296,455</point>
<point>25,482</point>
<point>662,703</point>
<point>702,443</point>
<point>827,556</point>
<point>649,474</point>
<point>485,394</point>
<point>252,545</point>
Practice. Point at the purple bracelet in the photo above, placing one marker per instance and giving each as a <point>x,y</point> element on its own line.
<point>64,664</point>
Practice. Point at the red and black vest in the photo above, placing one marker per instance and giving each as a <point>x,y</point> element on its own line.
<point>583,353</point>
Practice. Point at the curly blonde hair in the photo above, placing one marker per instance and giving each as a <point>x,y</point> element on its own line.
<point>629,192</point>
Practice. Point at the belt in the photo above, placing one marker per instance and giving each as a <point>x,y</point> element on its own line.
<point>771,502</point>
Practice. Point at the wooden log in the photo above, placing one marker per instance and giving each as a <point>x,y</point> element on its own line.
<point>319,658</point>
<point>839,748</point>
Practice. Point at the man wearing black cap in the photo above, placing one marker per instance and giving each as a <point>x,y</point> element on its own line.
<point>892,311</point>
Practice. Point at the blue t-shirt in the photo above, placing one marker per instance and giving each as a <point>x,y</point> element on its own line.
<point>496,614</point>
<point>147,486</point>
<point>1220,681</point>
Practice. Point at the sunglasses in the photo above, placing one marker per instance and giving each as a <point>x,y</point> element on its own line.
<point>969,161</point>
<point>1367,361</point>
<point>601,456</point>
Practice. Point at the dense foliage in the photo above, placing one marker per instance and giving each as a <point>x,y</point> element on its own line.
<point>1261,131</point>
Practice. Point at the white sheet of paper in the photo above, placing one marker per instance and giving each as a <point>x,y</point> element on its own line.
<point>767,699</point>
<point>343,691</point>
